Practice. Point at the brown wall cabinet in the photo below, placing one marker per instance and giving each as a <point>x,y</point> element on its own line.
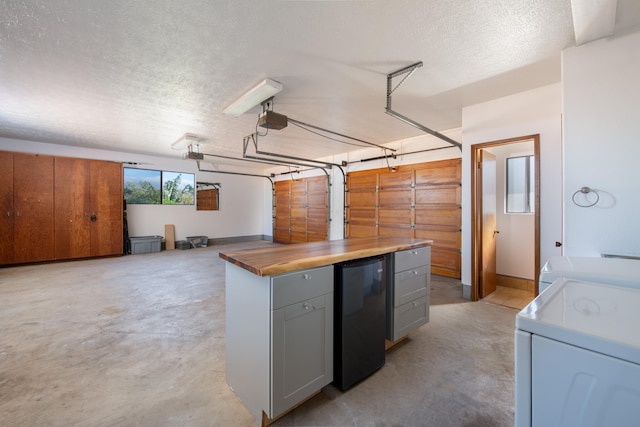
<point>301,210</point>
<point>26,183</point>
<point>57,208</point>
<point>421,200</point>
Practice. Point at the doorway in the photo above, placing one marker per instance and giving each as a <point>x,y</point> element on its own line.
<point>485,231</point>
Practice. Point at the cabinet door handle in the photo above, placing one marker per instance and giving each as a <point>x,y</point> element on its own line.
<point>306,276</point>
<point>415,303</point>
<point>415,272</point>
<point>93,218</point>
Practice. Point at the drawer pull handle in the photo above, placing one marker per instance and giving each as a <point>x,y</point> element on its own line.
<point>415,272</point>
<point>415,303</point>
<point>306,276</point>
<point>305,306</point>
<point>415,252</point>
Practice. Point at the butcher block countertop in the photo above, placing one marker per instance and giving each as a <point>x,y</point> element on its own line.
<point>273,260</point>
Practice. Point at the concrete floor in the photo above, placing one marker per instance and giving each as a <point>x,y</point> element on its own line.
<point>139,341</point>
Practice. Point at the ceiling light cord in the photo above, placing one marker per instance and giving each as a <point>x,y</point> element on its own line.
<point>339,134</point>
<point>325,136</point>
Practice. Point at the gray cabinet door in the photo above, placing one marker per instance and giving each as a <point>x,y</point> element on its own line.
<point>302,351</point>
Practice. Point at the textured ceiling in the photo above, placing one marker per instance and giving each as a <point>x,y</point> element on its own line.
<point>135,75</point>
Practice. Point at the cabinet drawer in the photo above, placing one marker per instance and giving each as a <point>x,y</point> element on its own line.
<point>410,316</point>
<point>410,284</point>
<point>412,258</point>
<point>301,285</point>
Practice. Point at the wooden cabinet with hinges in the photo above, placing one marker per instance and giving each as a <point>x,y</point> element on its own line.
<point>58,208</point>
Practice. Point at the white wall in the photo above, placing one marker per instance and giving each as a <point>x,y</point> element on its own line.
<point>515,244</point>
<point>242,199</point>
<point>537,111</point>
<point>601,123</point>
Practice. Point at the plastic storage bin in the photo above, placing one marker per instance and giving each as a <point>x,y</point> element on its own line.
<point>198,241</point>
<point>145,244</point>
<point>183,244</point>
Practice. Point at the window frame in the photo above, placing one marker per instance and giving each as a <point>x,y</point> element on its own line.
<point>529,184</point>
<point>159,176</point>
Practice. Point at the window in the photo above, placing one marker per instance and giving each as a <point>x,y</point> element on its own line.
<point>143,186</point>
<point>178,188</point>
<point>520,184</point>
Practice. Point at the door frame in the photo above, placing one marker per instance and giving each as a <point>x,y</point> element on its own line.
<point>476,205</point>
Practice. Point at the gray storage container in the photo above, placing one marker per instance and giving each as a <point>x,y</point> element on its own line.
<point>198,241</point>
<point>183,244</point>
<point>145,244</point>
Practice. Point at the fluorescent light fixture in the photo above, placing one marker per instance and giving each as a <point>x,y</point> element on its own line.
<point>256,95</point>
<point>186,140</point>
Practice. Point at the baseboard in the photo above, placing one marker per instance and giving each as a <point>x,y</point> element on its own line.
<point>515,283</point>
<point>238,239</point>
<point>466,291</point>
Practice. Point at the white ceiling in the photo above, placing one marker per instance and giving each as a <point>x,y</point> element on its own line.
<point>134,76</point>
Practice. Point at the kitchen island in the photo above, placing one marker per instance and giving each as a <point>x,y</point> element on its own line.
<point>279,314</point>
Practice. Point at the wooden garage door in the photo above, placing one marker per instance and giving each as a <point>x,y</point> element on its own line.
<point>301,210</point>
<point>421,200</point>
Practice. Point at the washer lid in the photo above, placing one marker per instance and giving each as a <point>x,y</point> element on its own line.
<point>597,316</point>
<point>619,271</point>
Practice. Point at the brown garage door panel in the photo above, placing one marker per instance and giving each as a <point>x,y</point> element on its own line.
<point>359,230</point>
<point>298,200</point>
<point>282,222</point>
<point>281,235</point>
<point>444,174</point>
<point>362,181</point>
<point>282,211</point>
<point>450,217</point>
<point>317,227</point>
<point>298,224</point>
<point>394,216</point>
<point>441,238</point>
<point>440,194</point>
<point>298,236</point>
<point>299,186</point>
<point>316,237</point>
<point>282,198</point>
<point>317,185</point>
<point>317,214</point>
<point>317,199</point>
<point>396,179</point>
<point>362,213</point>
<point>362,198</point>
<point>298,212</point>
<point>395,230</point>
<point>445,262</point>
<point>396,197</point>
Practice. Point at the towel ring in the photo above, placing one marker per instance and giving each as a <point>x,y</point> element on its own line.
<point>585,190</point>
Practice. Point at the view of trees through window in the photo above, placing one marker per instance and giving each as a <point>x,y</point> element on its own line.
<point>143,186</point>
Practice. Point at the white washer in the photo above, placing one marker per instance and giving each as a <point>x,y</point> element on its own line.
<point>577,356</point>
<point>618,271</point>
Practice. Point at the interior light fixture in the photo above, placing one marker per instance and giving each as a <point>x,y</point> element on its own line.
<point>255,96</point>
<point>186,140</point>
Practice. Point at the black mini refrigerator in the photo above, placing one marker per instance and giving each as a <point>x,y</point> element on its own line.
<point>360,319</point>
